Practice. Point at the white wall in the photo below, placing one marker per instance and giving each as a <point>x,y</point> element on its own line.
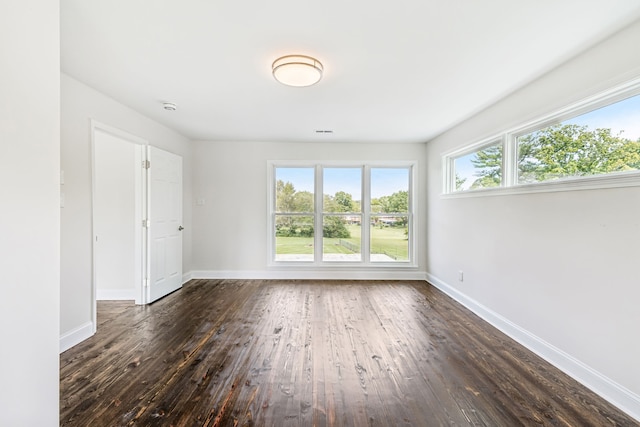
<point>231,239</point>
<point>557,270</point>
<point>80,104</point>
<point>30,212</point>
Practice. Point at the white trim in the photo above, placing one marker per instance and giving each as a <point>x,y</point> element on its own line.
<point>140,246</point>
<point>509,162</point>
<point>318,218</point>
<point>612,180</point>
<point>76,336</point>
<point>448,175</point>
<point>613,392</point>
<point>115,294</point>
<point>95,124</point>
<point>318,274</point>
<point>186,277</point>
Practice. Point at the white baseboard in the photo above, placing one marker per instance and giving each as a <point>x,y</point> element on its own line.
<point>338,274</point>
<point>186,277</point>
<point>613,392</point>
<point>115,294</point>
<point>76,336</point>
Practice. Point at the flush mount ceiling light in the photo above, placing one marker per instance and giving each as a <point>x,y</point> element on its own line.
<point>297,70</point>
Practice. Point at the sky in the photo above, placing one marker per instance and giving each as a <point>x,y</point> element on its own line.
<point>464,169</point>
<point>384,181</point>
<point>620,116</point>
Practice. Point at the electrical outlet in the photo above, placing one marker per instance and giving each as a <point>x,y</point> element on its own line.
<point>461,276</point>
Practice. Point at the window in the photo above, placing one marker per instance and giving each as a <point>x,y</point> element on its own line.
<point>294,223</point>
<point>597,137</point>
<point>341,214</point>
<point>605,140</point>
<point>364,211</point>
<point>479,169</point>
<point>389,219</point>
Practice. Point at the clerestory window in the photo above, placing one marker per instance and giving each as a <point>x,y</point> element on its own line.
<point>591,144</point>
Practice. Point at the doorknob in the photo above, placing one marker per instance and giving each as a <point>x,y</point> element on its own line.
<point>180,228</point>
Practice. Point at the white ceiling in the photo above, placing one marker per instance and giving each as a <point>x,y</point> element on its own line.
<point>401,71</point>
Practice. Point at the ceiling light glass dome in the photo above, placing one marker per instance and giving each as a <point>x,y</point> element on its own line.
<point>297,70</point>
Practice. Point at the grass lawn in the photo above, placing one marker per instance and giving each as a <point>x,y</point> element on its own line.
<point>386,240</point>
<point>294,245</point>
<point>391,241</point>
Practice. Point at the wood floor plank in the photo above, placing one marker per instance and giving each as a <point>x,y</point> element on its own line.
<point>313,353</point>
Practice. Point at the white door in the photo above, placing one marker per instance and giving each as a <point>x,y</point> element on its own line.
<point>165,223</point>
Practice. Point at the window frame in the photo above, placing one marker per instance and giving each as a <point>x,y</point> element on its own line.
<point>450,159</point>
<point>319,214</point>
<point>510,184</point>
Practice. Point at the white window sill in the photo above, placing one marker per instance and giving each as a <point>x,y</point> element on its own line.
<point>310,265</point>
<point>617,180</point>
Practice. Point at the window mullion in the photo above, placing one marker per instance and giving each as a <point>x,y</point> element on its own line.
<point>318,211</point>
<point>365,226</point>
<point>411,214</point>
<point>509,161</point>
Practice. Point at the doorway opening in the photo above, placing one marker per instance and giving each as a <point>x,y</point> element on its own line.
<point>137,216</point>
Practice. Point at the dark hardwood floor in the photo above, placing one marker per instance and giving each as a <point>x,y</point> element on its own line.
<point>313,353</point>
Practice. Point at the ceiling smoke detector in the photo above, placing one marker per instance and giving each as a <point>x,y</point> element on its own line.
<point>169,106</point>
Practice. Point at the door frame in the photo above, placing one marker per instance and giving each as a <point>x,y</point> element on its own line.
<point>140,246</point>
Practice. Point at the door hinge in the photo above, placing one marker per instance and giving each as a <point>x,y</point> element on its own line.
<point>146,223</point>
<point>146,164</point>
<point>146,282</point>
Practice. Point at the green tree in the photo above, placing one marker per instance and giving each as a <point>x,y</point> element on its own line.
<point>559,151</point>
<point>290,200</point>
<point>460,182</point>
<point>285,194</point>
<point>303,201</point>
<point>329,204</point>
<point>398,202</point>
<point>344,201</point>
<point>340,202</point>
<point>488,164</point>
<point>376,205</point>
<point>334,227</point>
<point>573,150</point>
